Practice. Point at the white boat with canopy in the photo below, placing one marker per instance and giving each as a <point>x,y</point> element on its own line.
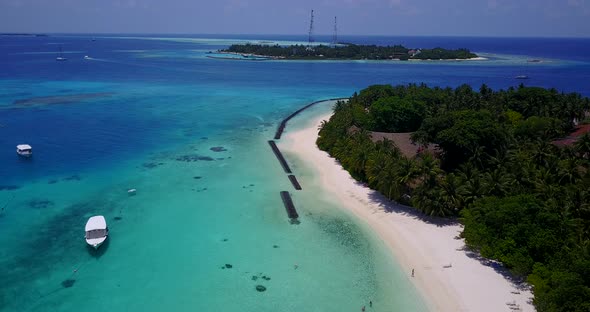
<point>96,231</point>
<point>24,150</point>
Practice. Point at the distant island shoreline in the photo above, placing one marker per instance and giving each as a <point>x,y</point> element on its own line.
<point>346,52</point>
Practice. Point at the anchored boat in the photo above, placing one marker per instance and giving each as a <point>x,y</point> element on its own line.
<point>96,231</point>
<point>61,57</point>
<point>24,150</point>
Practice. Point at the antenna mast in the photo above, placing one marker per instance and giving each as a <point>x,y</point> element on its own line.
<point>335,37</point>
<point>311,40</point>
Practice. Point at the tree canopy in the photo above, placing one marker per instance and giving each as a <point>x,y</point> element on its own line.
<point>349,51</point>
<point>523,200</point>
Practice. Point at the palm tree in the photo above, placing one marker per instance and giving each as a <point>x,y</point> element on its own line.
<point>497,182</point>
<point>376,165</point>
<point>407,172</point>
<point>381,169</point>
<point>502,158</point>
<point>389,148</point>
<point>578,200</point>
<point>542,152</point>
<point>360,149</point>
<point>450,192</point>
<point>467,171</point>
<point>582,146</point>
<point>478,156</point>
<point>569,171</point>
<point>389,181</point>
<point>472,188</point>
<point>431,202</point>
<point>546,184</point>
<point>429,169</point>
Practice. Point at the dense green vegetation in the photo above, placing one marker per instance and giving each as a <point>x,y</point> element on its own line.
<point>523,200</point>
<point>349,51</point>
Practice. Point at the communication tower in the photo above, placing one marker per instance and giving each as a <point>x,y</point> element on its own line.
<point>335,36</point>
<point>311,40</point>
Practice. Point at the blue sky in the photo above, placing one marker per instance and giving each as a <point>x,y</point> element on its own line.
<point>544,18</point>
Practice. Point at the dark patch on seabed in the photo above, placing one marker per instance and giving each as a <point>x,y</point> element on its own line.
<point>218,149</point>
<point>40,203</point>
<point>58,242</point>
<point>264,277</point>
<point>60,99</point>
<point>194,157</point>
<point>345,232</point>
<point>74,177</point>
<point>355,244</point>
<point>68,283</point>
<point>151,165</point>
<point>9,187</point>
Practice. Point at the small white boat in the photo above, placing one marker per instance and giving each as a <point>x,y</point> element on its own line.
<point>131,192</point>
<point>60,58</point>
<point>522,77</point>
<point>86,57</point>
<point>24,150</point>
<point>96,231</point>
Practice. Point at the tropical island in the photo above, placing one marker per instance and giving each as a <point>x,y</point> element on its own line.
<point>348,52</point>
<point>494,161</point>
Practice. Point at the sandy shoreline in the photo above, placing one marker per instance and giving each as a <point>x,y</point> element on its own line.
<point>478,58</point>
<point>446,276</point>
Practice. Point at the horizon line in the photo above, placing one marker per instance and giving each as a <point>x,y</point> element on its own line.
<point>276,34</point>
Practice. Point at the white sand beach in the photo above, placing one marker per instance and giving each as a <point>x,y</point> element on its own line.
<point>447,277</point>
<point>479,58</point>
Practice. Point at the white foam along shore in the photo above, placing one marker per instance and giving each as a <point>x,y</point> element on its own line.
<point>479,58</point>
<point>447,277</point>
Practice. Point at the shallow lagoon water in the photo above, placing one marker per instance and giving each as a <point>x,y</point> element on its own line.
<point>196,209</point>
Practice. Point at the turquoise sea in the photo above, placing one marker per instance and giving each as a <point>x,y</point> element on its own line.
<point>207,224</point>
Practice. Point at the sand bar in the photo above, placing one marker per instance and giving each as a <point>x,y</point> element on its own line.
<point>448,277</point>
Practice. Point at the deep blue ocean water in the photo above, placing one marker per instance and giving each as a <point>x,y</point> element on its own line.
<point>138,109</point>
